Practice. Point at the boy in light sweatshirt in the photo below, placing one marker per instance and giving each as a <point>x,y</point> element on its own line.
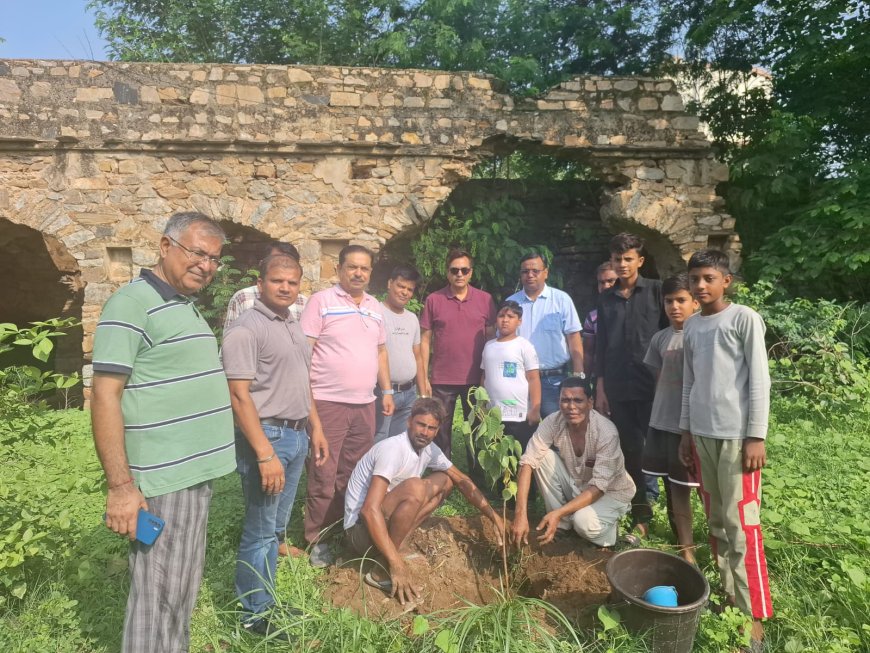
<point>726,401</point>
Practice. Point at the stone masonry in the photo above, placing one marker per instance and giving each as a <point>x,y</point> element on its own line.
<point>96,156</point>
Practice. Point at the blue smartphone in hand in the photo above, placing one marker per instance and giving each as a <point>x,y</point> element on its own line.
<point>148,527</point>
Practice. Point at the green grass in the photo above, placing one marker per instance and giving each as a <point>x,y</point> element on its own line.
<point>814,516</point>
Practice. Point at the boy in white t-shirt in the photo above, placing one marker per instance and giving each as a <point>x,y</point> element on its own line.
<point>510,375</point>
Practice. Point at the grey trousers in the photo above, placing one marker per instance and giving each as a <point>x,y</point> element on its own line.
<point>165,576</point>
<point>734,519</point>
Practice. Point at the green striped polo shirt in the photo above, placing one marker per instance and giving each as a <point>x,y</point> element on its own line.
<point>178,424</point>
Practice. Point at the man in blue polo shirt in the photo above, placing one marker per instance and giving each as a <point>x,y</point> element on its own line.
<point>551,323</point>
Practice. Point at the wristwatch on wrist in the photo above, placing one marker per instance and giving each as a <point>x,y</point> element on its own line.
<point>580,375</point>
<point>388,392</point>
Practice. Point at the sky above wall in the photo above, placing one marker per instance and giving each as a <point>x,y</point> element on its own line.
<point>49,29</point>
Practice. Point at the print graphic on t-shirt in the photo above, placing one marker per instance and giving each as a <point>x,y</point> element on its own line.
<point>510,408</point>
<point>509,370</point>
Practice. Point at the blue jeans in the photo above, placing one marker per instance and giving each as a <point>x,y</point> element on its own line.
<point>258,549</point>
<point>388,426</point>
<point>551,386</point>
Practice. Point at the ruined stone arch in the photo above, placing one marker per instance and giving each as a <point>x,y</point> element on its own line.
<point>41,281</point>
<point>99,154</point>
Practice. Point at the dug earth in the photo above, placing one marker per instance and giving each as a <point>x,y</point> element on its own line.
<point>454,565</point>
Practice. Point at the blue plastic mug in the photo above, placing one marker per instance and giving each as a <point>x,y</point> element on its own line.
<point>664,596</point>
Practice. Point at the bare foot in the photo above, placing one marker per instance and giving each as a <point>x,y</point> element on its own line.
<point>287,550</point>
<point>757,630</point>
<point>756,638</point>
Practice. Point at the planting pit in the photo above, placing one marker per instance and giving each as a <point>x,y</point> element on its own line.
<point>457,563</point>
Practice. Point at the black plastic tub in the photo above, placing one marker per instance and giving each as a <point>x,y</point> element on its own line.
<point>667,630</point>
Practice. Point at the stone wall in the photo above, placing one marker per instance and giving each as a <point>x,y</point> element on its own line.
<point>97,155</point>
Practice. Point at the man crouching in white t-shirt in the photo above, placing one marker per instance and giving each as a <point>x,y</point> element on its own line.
<point>386,499</point>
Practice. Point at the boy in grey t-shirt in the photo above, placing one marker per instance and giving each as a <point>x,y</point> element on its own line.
<point>726,400</point>
<point>661,449</point>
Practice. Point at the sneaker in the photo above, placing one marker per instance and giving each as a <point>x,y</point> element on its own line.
<point>265,627</point>
<point>320,556</point>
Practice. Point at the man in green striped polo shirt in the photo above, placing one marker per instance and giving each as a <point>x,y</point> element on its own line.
<point>163,427</point>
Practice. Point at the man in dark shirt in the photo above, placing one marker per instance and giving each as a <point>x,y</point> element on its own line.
<point>456,322</point>
<point>628,316</point>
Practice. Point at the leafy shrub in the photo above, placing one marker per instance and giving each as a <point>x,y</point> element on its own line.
<point>815,347</point>
<point>34,529</point>
<point>824,250</point>
<point>497,453</point>
<point>27,514</point>
<point>24,388</point>
<point>216,296</point>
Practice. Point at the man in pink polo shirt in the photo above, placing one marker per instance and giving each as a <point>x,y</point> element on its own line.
<point>345,327</point>
<point>456,322</point>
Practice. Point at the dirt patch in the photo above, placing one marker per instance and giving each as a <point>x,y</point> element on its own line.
<point>457,563</point>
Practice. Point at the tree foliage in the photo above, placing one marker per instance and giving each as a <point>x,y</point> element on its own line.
<point>531,44</point>
<point>25,387</point>
<point>797,152</point>
<point>215,297</point>
<point>240,31</point>
<point>495,233</point>
<point>818,349</point>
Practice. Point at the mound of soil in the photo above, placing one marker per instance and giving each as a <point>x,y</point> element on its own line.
<point>458,560</point>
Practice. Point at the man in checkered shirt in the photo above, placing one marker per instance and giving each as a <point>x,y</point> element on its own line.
<point>579,468</point>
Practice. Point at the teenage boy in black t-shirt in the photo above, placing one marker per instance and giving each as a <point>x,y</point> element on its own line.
<point>628,316</point>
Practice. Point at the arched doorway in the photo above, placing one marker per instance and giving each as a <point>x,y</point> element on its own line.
<point>558,198</point>
<point>41,280</point>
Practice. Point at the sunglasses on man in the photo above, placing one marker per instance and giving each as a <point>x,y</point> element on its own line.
<point>459,271</point>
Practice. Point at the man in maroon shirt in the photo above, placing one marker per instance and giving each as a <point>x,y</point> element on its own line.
<point>455,324</point>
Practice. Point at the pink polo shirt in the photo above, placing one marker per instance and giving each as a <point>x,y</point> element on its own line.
<point>344,363</point>
<point>459,332</point>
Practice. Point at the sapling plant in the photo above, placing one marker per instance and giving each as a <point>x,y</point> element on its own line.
<point>497,453</point>
<point>23,386</point>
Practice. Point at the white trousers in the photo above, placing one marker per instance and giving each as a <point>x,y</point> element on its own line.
<point>596,522</point>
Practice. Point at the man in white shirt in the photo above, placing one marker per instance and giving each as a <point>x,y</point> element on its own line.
<point>403,351</point>
<point>551,324</point>
<point>386,499</point>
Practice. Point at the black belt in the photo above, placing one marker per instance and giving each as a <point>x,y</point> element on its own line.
<point>295,424</point>
<point>398,387</point>
<point>552,372</point>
